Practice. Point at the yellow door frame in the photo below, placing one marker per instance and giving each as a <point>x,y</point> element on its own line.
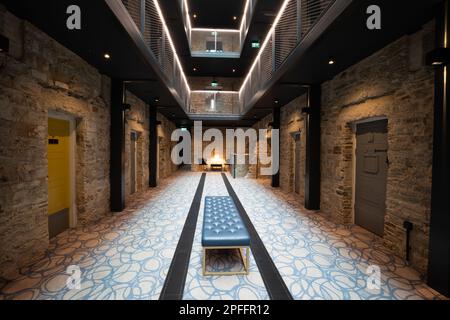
<point>72,162</point>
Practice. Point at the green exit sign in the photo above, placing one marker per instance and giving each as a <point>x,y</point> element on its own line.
<point>256,44</point>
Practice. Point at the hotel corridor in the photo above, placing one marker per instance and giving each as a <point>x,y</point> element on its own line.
<point>127,256</point>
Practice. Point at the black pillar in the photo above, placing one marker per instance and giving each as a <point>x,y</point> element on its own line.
<point>153,151</point>
<point>276,126</point>
<point>312,166</point>
<point>439,250</point>
<point>117,161</point>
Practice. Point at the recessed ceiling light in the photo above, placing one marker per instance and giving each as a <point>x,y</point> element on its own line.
<point>107,56</point>
<point>331,62</point>
<point>277,101</point>
<point>234,70</point>
<point>437,63</point>
<point>156,99</point>
<point>195,16</point>
<point>234,18</point>
<point>194,69</point>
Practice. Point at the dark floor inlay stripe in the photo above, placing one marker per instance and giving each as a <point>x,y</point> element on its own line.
<point>276,288</point>
<point>176,277</point>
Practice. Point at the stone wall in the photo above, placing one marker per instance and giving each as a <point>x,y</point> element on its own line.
<point>166,167</point>
<point>254,170</point>
<point>292,123</point>
<point>230,41</point>
<point>137,121</point>
<point>39,76</point>
<point>392,83</point>
<point>226,102</point>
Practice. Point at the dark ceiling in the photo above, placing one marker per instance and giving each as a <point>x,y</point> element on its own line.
<point>216,13</point>
<point>101,33</point>
<point>264,15</point>
<point>346,39</point>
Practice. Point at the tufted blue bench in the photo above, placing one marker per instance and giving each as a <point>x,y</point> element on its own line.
<point>223,229</point>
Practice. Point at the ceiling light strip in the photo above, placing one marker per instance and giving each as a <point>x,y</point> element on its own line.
<point>247,4</point>
<point>166,29</point>
<point>264,45</point>
<point>214,91</point>
<point>216,30</point>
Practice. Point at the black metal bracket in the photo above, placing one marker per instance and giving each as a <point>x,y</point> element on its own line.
<point>408,227</point>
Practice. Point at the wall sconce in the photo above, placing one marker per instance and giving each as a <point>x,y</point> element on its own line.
<point>4,44</point>
<point>438,57</point>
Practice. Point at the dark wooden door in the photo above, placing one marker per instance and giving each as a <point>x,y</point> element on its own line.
<point>371,175</point>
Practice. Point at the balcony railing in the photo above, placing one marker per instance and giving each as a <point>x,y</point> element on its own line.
<point>214,102</point>
<point>217,43</point>
<point>149,20</point>
<point>294,21</point>
<point>292,24</point>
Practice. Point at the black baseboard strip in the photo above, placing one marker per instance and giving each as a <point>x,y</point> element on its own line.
<point>276,287</point>
<point>176,277</point>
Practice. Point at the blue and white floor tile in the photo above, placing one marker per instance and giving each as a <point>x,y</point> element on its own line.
<point>319,259</point>
<point>125,256</point>
<point>198,287</point>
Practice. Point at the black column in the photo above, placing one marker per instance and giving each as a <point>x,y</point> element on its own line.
<point>117,161</point>
<point>275,126</point>
<point>439,250</point>
<point>153,151</point>
<point>312,170</point>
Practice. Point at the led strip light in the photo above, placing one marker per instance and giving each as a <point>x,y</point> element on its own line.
<point>166,29</point>
<point>266,41</point>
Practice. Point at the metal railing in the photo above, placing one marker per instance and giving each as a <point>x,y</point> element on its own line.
<point>295,19</point>
<point>215,43</point>
<point>149,20</point>
<point>214,102</point>
<point>210,42</point>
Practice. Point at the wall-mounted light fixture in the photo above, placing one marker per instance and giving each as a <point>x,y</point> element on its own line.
<point>438,57</point>
<point>4,44</point>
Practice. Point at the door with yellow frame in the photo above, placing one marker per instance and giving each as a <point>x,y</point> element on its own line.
<point>59,190</point>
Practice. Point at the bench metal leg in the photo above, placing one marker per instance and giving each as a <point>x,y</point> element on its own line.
<point>245,261</point>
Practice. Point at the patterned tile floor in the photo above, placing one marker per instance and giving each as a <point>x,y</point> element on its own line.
<point>319,259</point>
<point>127,256</point>
<point>219,288</point>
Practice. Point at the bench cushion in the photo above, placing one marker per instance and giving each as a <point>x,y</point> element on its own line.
<point>222,224</point>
